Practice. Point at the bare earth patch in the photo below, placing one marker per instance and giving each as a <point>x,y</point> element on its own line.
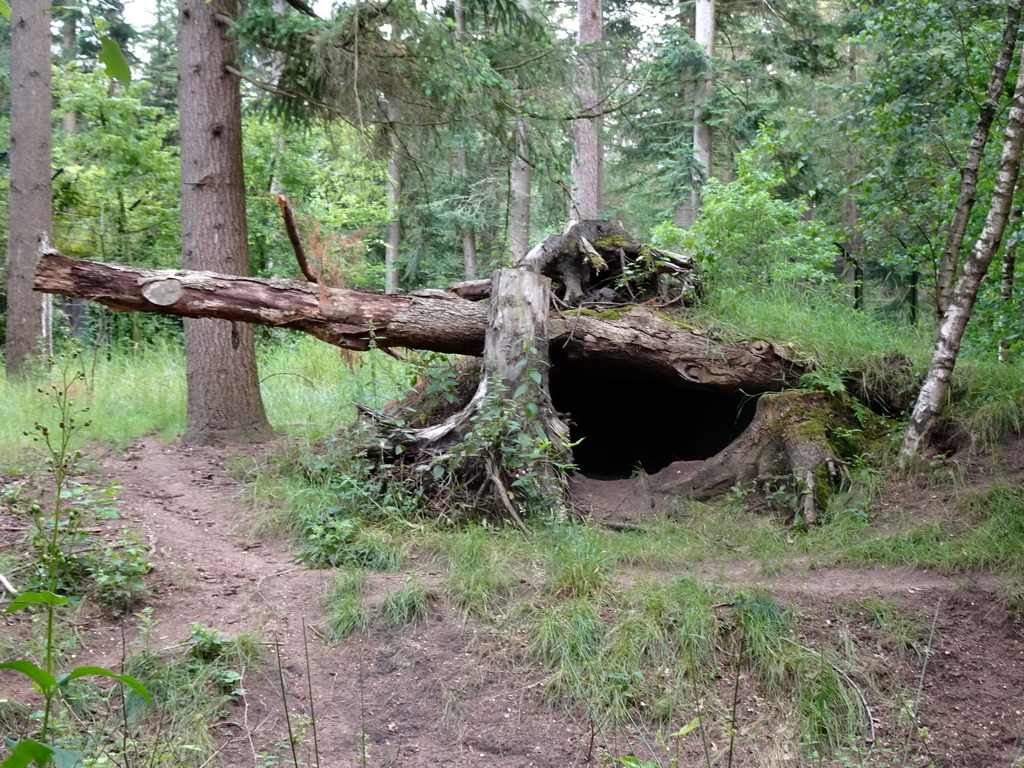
<point>447,693</point>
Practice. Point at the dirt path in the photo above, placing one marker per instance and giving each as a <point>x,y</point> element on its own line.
<point>447,694</point>
<point>424,697</point>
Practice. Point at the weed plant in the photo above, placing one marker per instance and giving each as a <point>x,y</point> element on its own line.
<point>191,686</point>
<point>56,532</point>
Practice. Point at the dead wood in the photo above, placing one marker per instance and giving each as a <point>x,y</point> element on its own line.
<point>638,343</point>
<point>786,445</point>
<point>598,264</point>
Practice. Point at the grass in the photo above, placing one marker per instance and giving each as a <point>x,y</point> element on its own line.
<point>483,567</point>
<point>409,604</point>
<point>190,687</point>
<point>346,614</point>
<point>824,330</point>
<point>308,388</point>
<point>617,631</point>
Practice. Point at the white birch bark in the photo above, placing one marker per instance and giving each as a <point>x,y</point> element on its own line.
<point>969,172</point>
<point>704,36</point>
<point>521,184</point>
<point>947,346</point>
<point>393,241</point>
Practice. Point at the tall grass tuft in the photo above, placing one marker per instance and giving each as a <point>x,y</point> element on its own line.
<point>346,613</point>
<point>580,563</point>
<point>482,568</point>
<point>409,604</point>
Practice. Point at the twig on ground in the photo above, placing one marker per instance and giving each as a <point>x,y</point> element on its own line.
<point>7,587</point>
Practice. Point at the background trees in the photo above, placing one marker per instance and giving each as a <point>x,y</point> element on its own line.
<point>861,121</point>
<point>224,401</point>
<point>30,208</point>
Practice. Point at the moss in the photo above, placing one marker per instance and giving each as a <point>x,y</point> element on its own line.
<point>678,322</point>
<point>613,241</point>
<point>604,314</point>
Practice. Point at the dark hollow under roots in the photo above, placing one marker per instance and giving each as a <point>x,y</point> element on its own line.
<point>623,426</point>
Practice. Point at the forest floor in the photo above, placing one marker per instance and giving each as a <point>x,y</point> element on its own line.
<point>448,692</point>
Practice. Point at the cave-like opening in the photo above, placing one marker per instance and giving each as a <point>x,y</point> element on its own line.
<point>623,425</point>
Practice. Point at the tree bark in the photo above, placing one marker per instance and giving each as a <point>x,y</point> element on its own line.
<point>588,161</point>
<point>224,401</point>
<point>785,448</point>
<point>520,184</point>
<point>704,36</point>
<point>969,173</point>
<point>638,343</point>
<point>393,240</point>
<point>936,384</point>
<point>468,233</point>
<point>1006,280</point>
<point>69,51</point>
<point>30,219</point>
<point>511,405</point>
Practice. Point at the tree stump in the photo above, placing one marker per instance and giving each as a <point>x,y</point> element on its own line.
<point>508,437</point>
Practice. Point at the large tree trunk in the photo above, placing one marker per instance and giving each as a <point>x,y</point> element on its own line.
<point>703,36</point>
<point>521,192</point>
<point>969,173</point>
<point>784,451</point>
<point>224,401</point>
<point>30,200</point>
<point>393,240</point>
<point>616,371</point>
<point>508,435</point>
<point>520,184</point>
<point>588,160</point>
<point>638,342</point>
<point>954,322</point>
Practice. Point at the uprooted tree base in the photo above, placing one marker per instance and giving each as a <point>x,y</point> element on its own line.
<point>576,348</point>
<point>789,447</point>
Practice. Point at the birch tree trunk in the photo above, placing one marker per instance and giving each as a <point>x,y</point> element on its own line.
<point>29,198</point>
<point>588,161</point>
<point>1006,280</point>
<point>224,401</point>
<point>936,385</point>
<point>969,173</point>
<point>521,183</point>
<point>468,233</point>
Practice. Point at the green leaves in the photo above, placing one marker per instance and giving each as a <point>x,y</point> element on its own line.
<point>48,683</point>
<point>5,11</point>
<point>28,599</point>
<point>27,751</point>
<point>89,671</point>
<point>40,677</point>
<point>112,58</point>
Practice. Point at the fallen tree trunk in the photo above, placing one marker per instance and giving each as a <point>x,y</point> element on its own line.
<point>673,400</point>
<point>636,342</point>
